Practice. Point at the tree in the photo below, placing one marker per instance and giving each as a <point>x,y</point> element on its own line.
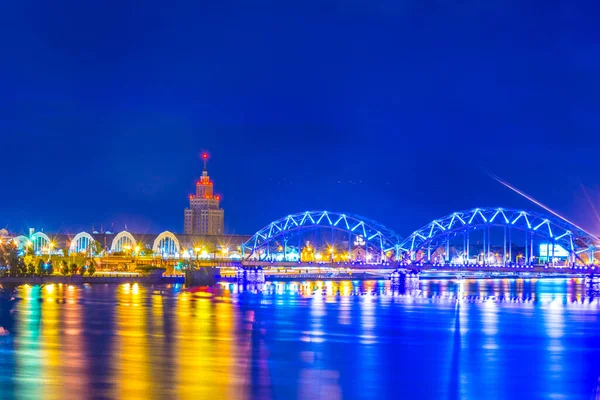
<point>29,259</point>
<point>31,269</point>
<point>13,265</point>
<point>82,270</point>
<point>21,265</point>
<point>64,268</point>
<point>73,269</point>
<point>29,251</point>
<point>49,268</point>
<point>91,269</point>
<point>96,247</point>
<point>11,258</point>
<point>41,268</point>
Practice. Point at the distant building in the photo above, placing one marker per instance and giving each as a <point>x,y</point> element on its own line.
<point>204,217</point>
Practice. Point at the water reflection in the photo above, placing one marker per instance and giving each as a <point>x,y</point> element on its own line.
<point>499,290</point>
<point>307,340</point>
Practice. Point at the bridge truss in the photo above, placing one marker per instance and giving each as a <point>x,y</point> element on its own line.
<point>374,237</point>
<point>459,226</point>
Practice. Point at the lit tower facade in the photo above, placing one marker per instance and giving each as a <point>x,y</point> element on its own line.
<point>204,217</point>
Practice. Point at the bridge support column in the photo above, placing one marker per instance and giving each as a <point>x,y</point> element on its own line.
<point>467,250</point>
<point>484,247</point>
<point>526,247</point>
<point>447,256</point>
<point>349,246</point>
<point>531,249</point>
<point>504,253</point>
<point>509,245</point>
<point>489,241</point>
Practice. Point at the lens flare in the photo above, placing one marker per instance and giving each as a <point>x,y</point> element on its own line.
<point>587,196</point>
<point>534,201</point>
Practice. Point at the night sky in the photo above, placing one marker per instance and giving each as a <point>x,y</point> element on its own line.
<point>393,110</point>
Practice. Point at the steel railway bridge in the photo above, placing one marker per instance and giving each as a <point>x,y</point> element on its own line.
<point>479,238</point>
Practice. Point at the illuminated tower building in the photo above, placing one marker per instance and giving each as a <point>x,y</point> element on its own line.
<point>204,217</point>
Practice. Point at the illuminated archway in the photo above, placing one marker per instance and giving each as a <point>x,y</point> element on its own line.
<point>21,241</point>
<point>122,240</point>
<point>82,242</point>
<point>167,245</point>
<point>41,243</point>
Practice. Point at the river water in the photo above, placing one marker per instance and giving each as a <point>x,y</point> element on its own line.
<point>475,339</point>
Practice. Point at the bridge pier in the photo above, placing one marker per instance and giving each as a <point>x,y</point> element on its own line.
<point>592,281</point>
<point>403,275</point>
<point>206,276</point>
<point>250,275</point>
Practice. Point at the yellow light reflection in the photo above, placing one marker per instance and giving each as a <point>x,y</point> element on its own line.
<point>72,359</point>
<point>28,357</point>
<point>131,348</point>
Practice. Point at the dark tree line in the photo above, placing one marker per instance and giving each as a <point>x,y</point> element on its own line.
<point>13,264</point>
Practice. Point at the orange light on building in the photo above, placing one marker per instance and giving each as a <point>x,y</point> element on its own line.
<point>217,197</point>
<point>191,196</point>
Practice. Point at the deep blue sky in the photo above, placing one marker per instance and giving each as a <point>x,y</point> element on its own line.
<point>389,109</point>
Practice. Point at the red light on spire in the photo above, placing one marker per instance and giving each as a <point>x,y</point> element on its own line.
<point>205,159</point>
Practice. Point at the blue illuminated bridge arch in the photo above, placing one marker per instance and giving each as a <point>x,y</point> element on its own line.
<point>376,237</point>
<point>458,226</point>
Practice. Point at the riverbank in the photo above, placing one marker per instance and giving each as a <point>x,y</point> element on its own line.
<point>95,279</point>
<point>359,276</point>
<point>180,279</point>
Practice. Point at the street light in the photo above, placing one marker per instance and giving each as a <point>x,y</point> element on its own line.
<point>126,248</point>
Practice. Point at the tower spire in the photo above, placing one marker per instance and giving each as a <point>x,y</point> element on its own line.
<point>205,158</point>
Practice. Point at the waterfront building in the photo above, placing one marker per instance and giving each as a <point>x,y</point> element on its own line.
<point>204,216</point>
<point>124,243</point>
